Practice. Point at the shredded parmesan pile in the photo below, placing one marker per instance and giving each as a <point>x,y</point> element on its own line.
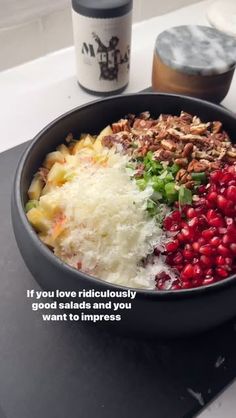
<point>107,230</point>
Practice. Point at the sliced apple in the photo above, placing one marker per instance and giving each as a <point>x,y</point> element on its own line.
<point>35,188</point>
<point>38,219</point>
<point>52,158</point>
<point>57,174</point>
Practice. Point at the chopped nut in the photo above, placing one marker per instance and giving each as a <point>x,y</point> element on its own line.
<point>122,125</point>
<point>180,174</point>
<point>185,178</point>
<point>144,115</point>
<point>197,166</point>
<point>188,148</point>
<point>162,155</point>
<point>231,154</point>
<point>154,147</point>
<point>168,144</point>
<point>216,127</point>
<point>215,165</point>
<point>182,162</point>
<point>199,129</point>
<point>143,124</point>
<point>108,141</point>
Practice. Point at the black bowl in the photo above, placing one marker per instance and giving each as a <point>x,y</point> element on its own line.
<point>170,313</point>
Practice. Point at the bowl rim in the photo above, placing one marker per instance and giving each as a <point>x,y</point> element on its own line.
<point>52,258</point>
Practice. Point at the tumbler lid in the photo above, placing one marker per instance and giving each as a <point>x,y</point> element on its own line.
<point>196,49</point>
<point>102,8</point>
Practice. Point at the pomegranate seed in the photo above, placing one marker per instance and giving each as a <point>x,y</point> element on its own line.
<point>216,176</point>
<point>211,213</point>
<point>193,223</point>
<point>176,216</point>
<point>229,209</point>
<point>179,267</point>
<point>188,247</point>
<point>221,202</point>
<point>232,169</point>
<point>187,272</point>
<point>174,228</point>
<point>222,250</point>
<point>226,178</point>
<point>187,233</point>
<point>172,246</point>
<point>188,254</point>
<point>231,229</point>
<point>228,261</point>
<point>167,223</point>
<point>202,222</point>
<point>221,272</point>
<point>200,202</point>
<point>175,287</point>
<point>197,271</point>
<point>208,233</point>
<point>220,260</point>
<point>200,211</point>
<point>196,246</point>
<point>222,231</point>
<point>180,237</point>
<point>206,250</point>
<point>202,241</point>
<point>233,248</point>
<point>227,239</point>
<point>212,197</point>
<point>191,213</point>
<point>215,241</point>
<point>206,261</point>
<point>208,280</point>
<point>178,258</point>
<point>209,272</point>
<point>217,222</point>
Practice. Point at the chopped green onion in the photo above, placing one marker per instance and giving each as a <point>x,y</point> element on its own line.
<point>199,176</point>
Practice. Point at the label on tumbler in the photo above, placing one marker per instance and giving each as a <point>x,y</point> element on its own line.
<point>102,48</point>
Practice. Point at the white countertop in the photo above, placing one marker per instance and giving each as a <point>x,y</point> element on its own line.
<point>35,93</point>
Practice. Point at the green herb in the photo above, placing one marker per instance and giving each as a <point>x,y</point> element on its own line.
<point>141,183</point>
<point>151,207</point>
<point>171,192</point>
<point>131,166</point>
<point>185,196</point>
<point>31,204</point>
<point>174,169</point>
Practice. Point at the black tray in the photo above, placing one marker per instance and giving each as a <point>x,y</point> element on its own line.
<point>60,370</point>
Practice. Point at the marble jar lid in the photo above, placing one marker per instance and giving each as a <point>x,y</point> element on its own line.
<point>198,50</point>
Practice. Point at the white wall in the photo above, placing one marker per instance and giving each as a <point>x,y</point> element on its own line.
<point>32,28</point>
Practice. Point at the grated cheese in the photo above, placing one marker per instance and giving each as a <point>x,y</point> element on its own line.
<point>107,230</point>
